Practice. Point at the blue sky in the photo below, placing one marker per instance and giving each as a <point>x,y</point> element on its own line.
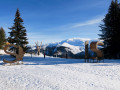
<point>55,20</point>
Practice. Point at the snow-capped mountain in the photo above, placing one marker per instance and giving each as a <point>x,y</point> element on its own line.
<point>72,41</point>
<point>72,46</point>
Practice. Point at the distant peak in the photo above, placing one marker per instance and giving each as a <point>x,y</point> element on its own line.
<point>81,39</point>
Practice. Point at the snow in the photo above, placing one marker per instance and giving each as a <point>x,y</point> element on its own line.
<point>2,52</point>
<point>73,49</point>
<point>38,73</point>
<point>77,43</point>
<point>80,39</point>
<point>73,41</point>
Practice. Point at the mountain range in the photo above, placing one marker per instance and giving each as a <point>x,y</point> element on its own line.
<point>74,47</point>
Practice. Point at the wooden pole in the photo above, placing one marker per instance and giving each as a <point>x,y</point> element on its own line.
<point>86,52</point>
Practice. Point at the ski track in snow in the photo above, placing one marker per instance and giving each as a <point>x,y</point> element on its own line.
<point>38,73</point>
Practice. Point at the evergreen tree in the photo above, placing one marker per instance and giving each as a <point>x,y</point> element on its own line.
<point>111,31</point>
<point>2,37</point>
<point>18,32</point>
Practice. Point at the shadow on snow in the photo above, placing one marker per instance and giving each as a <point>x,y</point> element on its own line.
<point>50,61</point>
<point>54,61</point>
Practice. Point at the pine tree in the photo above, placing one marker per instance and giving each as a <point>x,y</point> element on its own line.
<point>2,37</point>
<point>18,34</point>
<point>111,31</point>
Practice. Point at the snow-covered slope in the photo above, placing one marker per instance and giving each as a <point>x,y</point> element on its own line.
<point>38,73</point>
<point>73,49</point>
<point>2,52</point>
<point>76,45</point>
<point>72,41</point>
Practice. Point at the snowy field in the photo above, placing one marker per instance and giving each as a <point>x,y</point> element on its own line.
<point>38,73</point>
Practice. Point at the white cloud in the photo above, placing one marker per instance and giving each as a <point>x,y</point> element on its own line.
<point>63,32</point>
<point>89,22</point>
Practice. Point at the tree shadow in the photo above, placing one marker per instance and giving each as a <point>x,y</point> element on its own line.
<point>49,61</point>
<point>110,62</point>
<point>55,61</point>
